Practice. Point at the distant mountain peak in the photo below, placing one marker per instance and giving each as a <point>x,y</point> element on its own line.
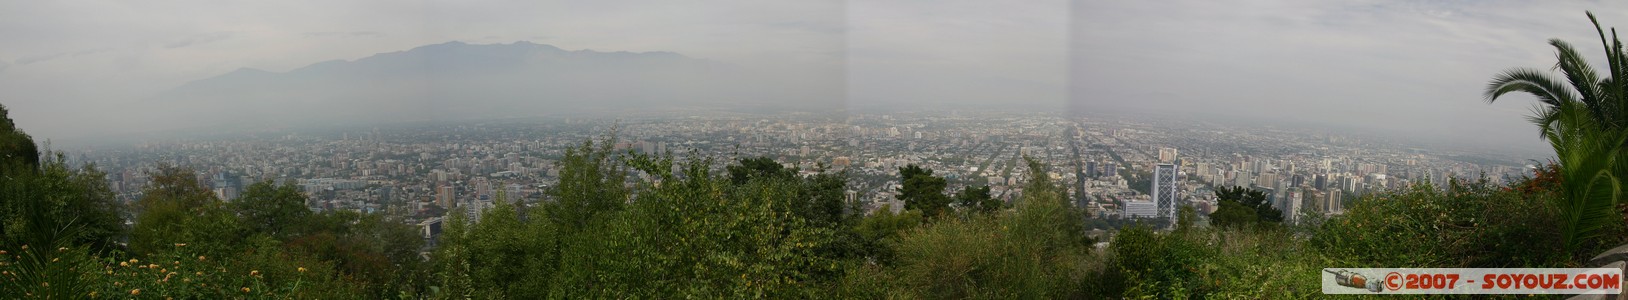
<point>240,73</point>
<point>518,46</point>
<point>248,70</point>
<point>453,43</point>
<point>460,80</point>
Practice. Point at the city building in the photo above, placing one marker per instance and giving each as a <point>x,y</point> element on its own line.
<point>1165,190</point>
<point>227,186</point>
<point>1140,209</point>
<point>445,196</point>
<point>1167,155</point>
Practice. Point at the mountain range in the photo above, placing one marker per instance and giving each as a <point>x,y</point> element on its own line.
<point>456,80</point>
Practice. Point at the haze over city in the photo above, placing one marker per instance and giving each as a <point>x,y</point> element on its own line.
<point>1391,67</point>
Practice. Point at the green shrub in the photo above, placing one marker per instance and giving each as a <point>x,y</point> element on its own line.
<point>1038,250</point>
<point>1246,263</point>
<point>73,272</point>
<point>1471,224</point>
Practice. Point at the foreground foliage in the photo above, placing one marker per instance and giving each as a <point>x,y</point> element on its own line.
<point>688,232</point>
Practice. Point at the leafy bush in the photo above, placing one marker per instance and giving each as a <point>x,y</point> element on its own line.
<point>75,273</point>
<point>56,202</point>
<point>1471,224</point>
<point>699,236</point>
<point>686,233</point>
<point>1038,250</point>
<point>1215,262</point>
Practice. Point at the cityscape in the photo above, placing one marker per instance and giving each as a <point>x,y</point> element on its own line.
<point>422,172</point>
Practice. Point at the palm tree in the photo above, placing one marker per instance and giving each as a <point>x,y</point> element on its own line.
<point>1585,118</point>
<point>1591,175</point>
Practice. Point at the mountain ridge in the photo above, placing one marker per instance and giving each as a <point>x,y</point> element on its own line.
<point>458,80</point>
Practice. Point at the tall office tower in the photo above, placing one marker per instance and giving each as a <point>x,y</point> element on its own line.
<point>227,186</point>
<point>1267,180</point>
<point>1317,200</point>
<point>384,195</point>
<point>1331,202</point>
<point>1164,189</point>
<point>444,196</point>
<point>1167,155</point>
<point>1291,204</point>
<point>482,186</point>
<point>385,205</point>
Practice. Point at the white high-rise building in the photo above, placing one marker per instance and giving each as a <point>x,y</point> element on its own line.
<point>1331,201</point>
<point>1165,190</point>
<point>1291,205</point>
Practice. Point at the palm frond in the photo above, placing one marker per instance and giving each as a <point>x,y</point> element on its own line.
<point>1614,61</point>
<point>1616,90</point>
<point>1547,89</point>
<point>1585,215</point>
<point>1588,153</point>
<point>1545,118</point>
<point>1582,78</point>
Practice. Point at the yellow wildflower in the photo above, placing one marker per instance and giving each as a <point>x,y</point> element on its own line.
<point>254,273</point>
<point>245,290</point>
<point>302,269</point>
<point>135,292</point>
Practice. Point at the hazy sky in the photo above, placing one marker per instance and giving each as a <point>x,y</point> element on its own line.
<point>1413,67</point>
